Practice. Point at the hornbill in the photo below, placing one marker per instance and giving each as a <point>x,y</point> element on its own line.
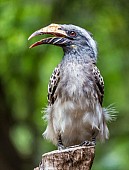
<point>76,89</point>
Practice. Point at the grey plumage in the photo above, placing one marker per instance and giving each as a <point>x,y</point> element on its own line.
<point>75,90</point>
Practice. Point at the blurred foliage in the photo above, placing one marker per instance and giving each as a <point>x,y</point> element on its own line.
<point>24,75</point>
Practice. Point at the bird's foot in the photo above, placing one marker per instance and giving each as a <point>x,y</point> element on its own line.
<point>61,146</point>
<point>89,143</point>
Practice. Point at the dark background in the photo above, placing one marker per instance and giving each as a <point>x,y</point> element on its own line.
<point>24,75</point>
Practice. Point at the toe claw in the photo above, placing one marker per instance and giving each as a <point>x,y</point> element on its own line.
<point>61,147</point>
<point>88,143</point>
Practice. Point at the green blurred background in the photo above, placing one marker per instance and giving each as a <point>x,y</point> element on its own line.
<point>24,75</point>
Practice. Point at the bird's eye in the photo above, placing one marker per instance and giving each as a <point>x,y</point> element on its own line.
<point>72,33</point>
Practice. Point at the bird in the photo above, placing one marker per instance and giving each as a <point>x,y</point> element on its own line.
<point>75,115</point>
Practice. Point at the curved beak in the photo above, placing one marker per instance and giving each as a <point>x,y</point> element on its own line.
<point>54,29</point>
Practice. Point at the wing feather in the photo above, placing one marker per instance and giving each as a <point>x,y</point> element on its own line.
<point>99,83</point>
<point>52,86</point>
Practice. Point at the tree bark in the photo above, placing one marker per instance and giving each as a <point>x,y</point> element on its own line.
<point>74,158</point>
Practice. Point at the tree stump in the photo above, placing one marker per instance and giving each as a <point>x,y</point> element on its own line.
<point>73,158</point>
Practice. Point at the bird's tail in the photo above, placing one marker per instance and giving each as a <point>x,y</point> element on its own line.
<point>109,114</point>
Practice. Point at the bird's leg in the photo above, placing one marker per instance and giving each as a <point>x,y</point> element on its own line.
<point>60,144</point>
<point>89,143</point>
<point>94,140</point>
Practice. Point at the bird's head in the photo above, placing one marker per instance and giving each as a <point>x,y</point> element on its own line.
<point>69,37</point>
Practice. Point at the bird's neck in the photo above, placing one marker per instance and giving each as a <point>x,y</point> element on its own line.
<point>77,55</point>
